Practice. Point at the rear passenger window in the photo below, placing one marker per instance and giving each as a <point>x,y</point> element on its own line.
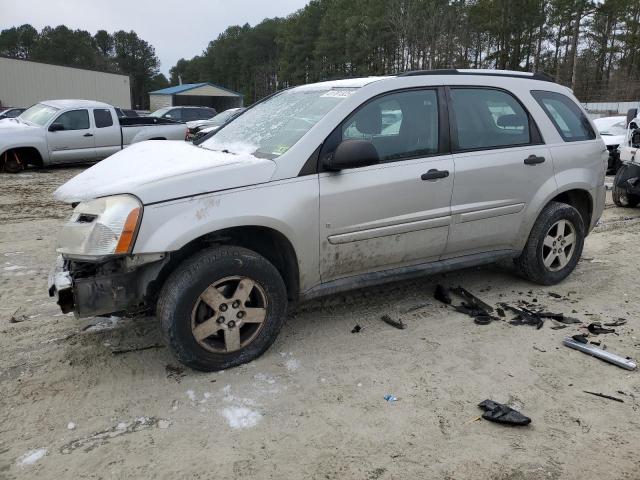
<point>400,125</point>
<point>488,118</point>
<point>103,118</point>
<point>566,115</point>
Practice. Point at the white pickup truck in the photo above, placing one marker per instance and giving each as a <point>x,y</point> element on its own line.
<point>75,131</point>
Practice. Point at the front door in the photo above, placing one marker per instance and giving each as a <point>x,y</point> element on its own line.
<point>501,165</point>
<point>396,213</point>
<point>75,142</point>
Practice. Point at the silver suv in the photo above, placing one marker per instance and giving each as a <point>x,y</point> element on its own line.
<point>327,187</point>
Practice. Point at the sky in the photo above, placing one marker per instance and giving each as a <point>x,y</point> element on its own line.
<point>177,29</point>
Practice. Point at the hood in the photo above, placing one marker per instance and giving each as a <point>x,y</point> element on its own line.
<point>209,129</point>
<point>613,139</point>
<point>155,171</point>
<point>198,123</point>
<point>12,124</point>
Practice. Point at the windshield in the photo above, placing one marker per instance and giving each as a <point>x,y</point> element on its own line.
<point>39,114</point>
<point>272,127</point>
<point>160,113</point>
<point>222,118</point>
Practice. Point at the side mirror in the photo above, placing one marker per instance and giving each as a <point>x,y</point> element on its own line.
<point>56,127</point>
<point>633,125</point>
<point>352,154</point>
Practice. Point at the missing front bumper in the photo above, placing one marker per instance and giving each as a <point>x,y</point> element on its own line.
<point>118,286</point>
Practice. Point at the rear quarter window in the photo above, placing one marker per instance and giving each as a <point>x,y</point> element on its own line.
<point>568,118</point>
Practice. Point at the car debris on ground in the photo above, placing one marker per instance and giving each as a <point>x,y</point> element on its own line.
<point>602,395</point>
<point>499,413</point>
<point>120,351</point>
<point>471,305</point>
<point>597,329</point>
<point>399,324</point>
<point>618,360</point>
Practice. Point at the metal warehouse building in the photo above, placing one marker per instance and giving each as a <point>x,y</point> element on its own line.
<point>199,94</point>
<point>23,83</point>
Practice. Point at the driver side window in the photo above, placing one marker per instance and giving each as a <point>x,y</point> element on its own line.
<point>74,120</point>
<point>400,125</point>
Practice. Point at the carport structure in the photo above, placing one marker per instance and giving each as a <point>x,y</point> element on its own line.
<point>198,94</point>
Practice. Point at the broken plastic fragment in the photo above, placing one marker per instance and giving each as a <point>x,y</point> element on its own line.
<point>497,412</point>
<point>597,329</point>
<point>399,324</point>
<point>442,294</point>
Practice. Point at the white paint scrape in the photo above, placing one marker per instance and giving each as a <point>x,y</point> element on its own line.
<point>241,417</point>
<point>31,457</point>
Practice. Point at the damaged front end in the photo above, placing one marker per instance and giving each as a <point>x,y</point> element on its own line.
<point>96,272</point>
<point>113,285</point>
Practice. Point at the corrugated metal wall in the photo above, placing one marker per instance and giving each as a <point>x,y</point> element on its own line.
<point>610,107</point>
<point>157,102</point>
<point>24,83</point>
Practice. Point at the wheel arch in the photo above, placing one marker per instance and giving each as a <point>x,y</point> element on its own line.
<point>265,241</point>
<point>581,200</point>
<point>31,155</point>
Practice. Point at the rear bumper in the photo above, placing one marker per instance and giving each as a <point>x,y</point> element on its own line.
<point>107,288</point>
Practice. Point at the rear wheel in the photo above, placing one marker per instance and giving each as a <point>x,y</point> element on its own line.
<point>222,307</point>
<point>620,196</point>
<point>554,246</point>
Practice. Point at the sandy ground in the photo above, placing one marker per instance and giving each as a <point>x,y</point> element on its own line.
<point>72,405</point>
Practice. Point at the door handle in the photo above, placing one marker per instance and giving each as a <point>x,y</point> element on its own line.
<point>533,160</point>
<point>434,174</point>
<point>88,135</point>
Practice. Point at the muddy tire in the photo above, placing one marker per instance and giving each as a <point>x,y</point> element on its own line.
<point>620,196</point>
<point>10,163</point>
<point>221,308</point>
<point>554,245</point>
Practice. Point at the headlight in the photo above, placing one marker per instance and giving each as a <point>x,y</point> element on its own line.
<point>105,226</point>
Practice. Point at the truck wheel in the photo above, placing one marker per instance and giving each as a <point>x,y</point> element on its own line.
<point>620,196</point>
<point>222,307</point>
<point>10,162</point>
<point>554,246</point>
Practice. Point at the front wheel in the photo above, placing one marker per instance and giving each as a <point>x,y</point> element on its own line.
<point>620,196</point>
<point>10,162</point>
<point>554,245</point>
<point>222,307</point>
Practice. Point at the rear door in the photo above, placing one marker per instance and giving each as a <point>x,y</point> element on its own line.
<point>501,164</point>
<point>75,142</point>
<point>107,133</point>
<point>396,213</point>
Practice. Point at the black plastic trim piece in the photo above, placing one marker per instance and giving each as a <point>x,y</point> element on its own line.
<point>310,167</point>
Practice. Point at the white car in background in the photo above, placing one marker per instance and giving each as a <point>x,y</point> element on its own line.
<point>613,131</point>
<point>199,128</point>
<point>75,131</point>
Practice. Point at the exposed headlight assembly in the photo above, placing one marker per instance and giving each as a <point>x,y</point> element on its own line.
<point>101,227</point>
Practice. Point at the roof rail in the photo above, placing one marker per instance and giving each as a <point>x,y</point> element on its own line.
<point>545,77</point>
